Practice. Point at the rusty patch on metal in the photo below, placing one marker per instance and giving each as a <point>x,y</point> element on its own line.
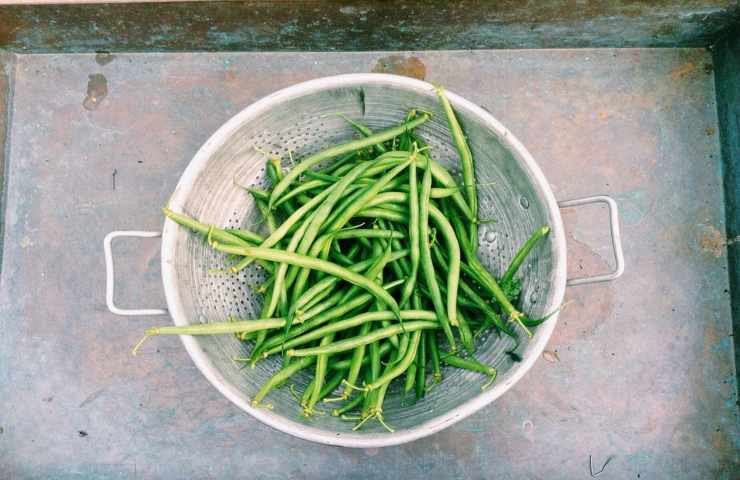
<point>104,58</point>
<point>683,70</point>
<point>97,90</point>
<point>712,241</point>
<point>401,65</point>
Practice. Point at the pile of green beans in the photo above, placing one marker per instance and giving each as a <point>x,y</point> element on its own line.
<point>373,273</point>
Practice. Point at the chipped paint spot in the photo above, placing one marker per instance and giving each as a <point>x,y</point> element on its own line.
<point>550,356</point>
<point>104,58</point>
<point>97,90</point>
<point>25,242</point>
<point>683,70</point>
<point>711,240</point>
<point>400,65</point>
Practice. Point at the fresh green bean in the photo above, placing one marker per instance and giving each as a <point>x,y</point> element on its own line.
<point>434,357</point>
<point>401,366</point>
<point>348,323</point>
<point>354,342</point>
<point>421,368</point>
<point>320,376</point>
<point>472,365</point>
<point>315,264</point>
<point>308,237</point>
<point>468,166</point>
<point>425,258</point>
<point>527,247</point>
<point>279,378</point>
<point>338,150</point>
<point>365,131</point>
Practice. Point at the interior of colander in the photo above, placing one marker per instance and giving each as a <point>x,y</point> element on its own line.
<point>307,123</point>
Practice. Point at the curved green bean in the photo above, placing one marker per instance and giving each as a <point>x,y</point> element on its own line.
<point>374,336</point>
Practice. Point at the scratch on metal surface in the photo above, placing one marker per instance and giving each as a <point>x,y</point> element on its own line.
<point>91,398</point>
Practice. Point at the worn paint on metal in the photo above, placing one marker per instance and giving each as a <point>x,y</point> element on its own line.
<point>361,25</point>
<point>644,372</point>
<point>727,71</point>
<point>7,62</point>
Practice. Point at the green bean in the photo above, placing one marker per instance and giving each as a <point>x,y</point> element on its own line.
<point>348,211</point>
<point>421,368</point>
<point>365,131</point>
<point>410,377</point>
<point>468,165</point>
<point>342,161</point>
<point>301,188</point>
<point>261,202</point>
<point>279,286</point>
<point>472,365</point>
<point>341,258</point>
<point>358,355</point>
<point>279,378</point>
<point>344,364</point>
<point>374,372</point>
<point>453,269</point>
<point>378,212</point>
<point>466,336</point>
<point>246,235</point>
<point>388,199</point>
<point>352,322</point>
<point>332,384</point>
<point>434,356</point>
<point>444,177</point>
<point>441,175</point>
<point>338,150</point>
<point>216,328</point>
<point>375,335</point>
<point>321,176</point>
<point>315,264</point>
<point>492,318</point>
<point>275,174</point>
<point>308,237</point>
<point>321,318</point>
<point>436,192</point>
<point>414,230</point>
<point>338,412</point>
<point>198,227</point>
<point>277,234</point>
<point>425,258</point>
<point>329,282</point>
<point>319,377</point>
<point>479,273</point>
<point>527,247</point>
<point>401,367</point>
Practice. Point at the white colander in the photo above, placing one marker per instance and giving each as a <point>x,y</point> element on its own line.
<point>302,119</point>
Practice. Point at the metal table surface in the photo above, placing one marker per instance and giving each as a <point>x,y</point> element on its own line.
<point>641,369</point>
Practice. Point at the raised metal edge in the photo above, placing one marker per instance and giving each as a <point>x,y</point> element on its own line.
<point>110,276</point>
<point>358,440</point>
<point>615,235</point>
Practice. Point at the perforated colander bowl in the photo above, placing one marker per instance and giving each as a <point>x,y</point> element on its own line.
<point>300,120</point>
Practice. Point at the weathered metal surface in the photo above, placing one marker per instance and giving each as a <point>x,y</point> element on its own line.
<point>310,25</point>
<point>727,71</point>
<point>7,61</point>
<point>640,370</point>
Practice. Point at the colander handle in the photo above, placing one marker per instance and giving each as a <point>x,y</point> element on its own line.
<point>110,277</point>
<point>616,238</point>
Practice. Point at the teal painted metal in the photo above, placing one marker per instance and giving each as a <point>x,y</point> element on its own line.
<point>300,25</point>
<point>727,76</point>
